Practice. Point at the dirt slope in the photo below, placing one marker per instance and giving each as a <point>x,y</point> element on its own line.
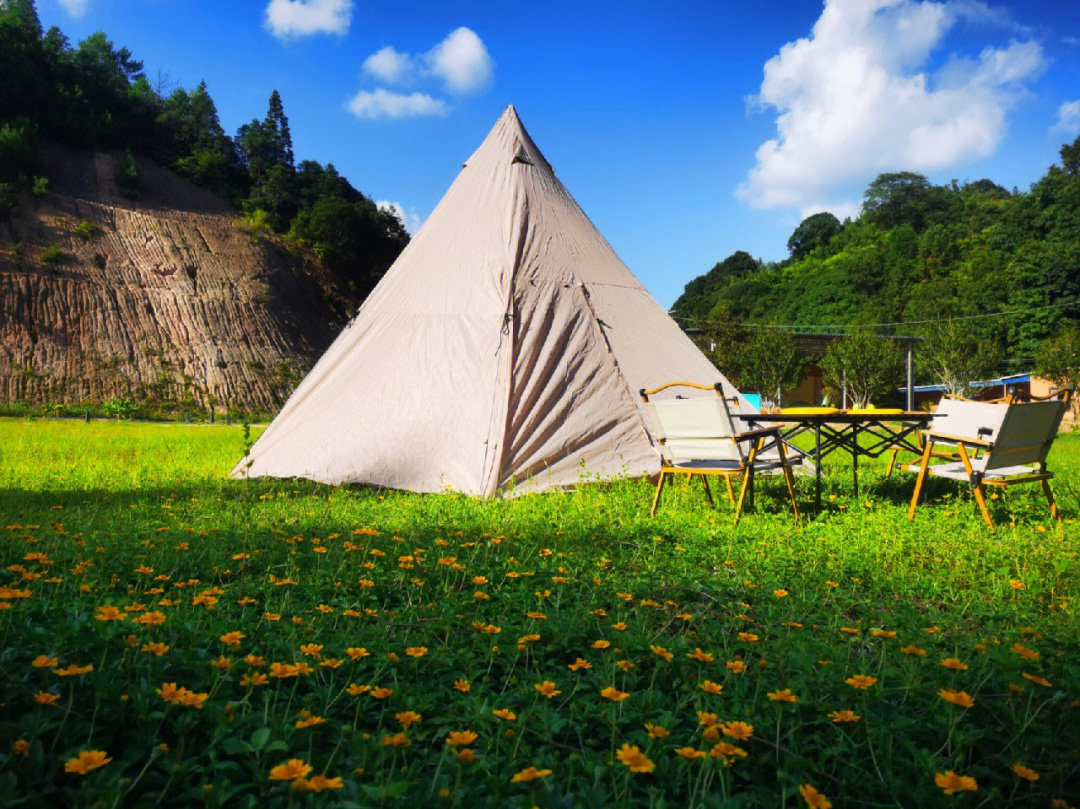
<point>161,298</point>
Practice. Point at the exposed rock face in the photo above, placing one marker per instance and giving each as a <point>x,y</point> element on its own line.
<point>159,298</point>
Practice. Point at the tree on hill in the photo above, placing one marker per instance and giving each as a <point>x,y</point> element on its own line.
<point>864,364</point>
<point>953,354</point>
<point>770,363</point>
<point>814,231</point>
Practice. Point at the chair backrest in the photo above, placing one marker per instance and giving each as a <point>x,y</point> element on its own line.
<point>1026,434</point>
<point>969,419</point>
<point>696,429</point>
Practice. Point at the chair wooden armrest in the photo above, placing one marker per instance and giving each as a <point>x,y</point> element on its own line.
<point>761,431</point>
<point>956,439</point>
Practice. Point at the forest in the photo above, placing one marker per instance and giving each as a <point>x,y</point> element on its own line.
<point>1004,264</point>
<point>95,95</point>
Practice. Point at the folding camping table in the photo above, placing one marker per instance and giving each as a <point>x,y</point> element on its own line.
<point>842,429</point>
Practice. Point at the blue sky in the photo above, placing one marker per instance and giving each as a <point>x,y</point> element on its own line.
<point>685,133</point>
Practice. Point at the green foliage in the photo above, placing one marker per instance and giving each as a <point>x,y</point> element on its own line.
<point>955,355</point>
<point>18,147</point>
<point>39,186</point>
<point>8,199</point>
<point>87,230</point>
<point>141,518</point>
<point>813,232</point>
<point>120,408</point>
<point>1058,358</point>
<point>770,363</point>
<point>258,221</point>
<point>52,256</point>
<point>921,252</point>
<point>127,172</point>
<point>865,365</point>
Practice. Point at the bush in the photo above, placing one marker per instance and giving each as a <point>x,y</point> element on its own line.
<point>87,230</point>
<point>255,223</point>
<point>39,186</point>
<point>52,256</point>
<point>127,172</point>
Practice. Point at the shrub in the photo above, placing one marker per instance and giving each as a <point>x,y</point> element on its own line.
<point>87,230</point>
<point>39,186</point>
<point>127,172</point>
<point>52,255</point>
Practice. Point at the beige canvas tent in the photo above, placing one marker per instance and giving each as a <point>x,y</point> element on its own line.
<point>504,348</point>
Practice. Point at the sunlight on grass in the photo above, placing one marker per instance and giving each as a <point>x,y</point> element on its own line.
<point>172,635</point>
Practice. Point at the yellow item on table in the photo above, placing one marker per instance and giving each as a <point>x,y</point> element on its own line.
<point>809,411</point>
<point>876,411</point>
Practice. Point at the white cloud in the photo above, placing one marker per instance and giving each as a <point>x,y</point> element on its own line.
<point>389,65</point>
<point>853,99</point>
<point>75,8</point>
<point>1068,118</point>
<point>293,18</point>
<point>410,220</point>
<point>462,61</point>
<point>382,103</point>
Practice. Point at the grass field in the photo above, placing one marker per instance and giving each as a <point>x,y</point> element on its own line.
<point>171,636</point>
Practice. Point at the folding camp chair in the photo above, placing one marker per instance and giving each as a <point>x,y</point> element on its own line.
<point>955,415</point>
<point>697,437</point>
<point>1014,452</point>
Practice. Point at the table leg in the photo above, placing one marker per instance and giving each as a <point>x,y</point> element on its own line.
<point>817,462</point>
<point>855,460</point>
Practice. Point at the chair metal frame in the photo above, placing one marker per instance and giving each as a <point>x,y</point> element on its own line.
<point>745,463</point>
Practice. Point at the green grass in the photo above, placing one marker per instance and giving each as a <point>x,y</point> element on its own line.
<point>142,518</point>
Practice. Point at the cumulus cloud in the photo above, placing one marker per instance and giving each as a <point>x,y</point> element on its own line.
<point>382,103</point>
<point>389,65</point>
<point>410,220</point>
<point>1068,118</point>
<point>75,8</point>
<point>854,99</point>
<point>295,18</point>
<point>461,62</point>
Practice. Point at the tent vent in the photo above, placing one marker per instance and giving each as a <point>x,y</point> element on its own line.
<point>521,157</point>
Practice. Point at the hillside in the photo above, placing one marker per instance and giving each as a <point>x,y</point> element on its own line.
<point>160,298</point>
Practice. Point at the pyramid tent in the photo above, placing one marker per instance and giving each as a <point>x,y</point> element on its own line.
<point>503,349</point>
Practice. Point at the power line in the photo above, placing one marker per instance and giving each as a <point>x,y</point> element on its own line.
<point>838,327</point>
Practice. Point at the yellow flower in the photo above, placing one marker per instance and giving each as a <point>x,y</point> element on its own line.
<point>1026,773</point>
<point>633,758</point>
<point>154,618</point>
<point>317,783</point>
<point>861,681</point>
<point>107,612</point>
<point>783,695</point>
<point>704,657</point>
<point>87,761</point>
<point>232,638</point>
<point>748,637</point>
<point>614,694</point>
<point>781,593</point>
<point>193,700</point>
<point>43,662</point>
<point>530,774</point>
<point>257,678</point>
<point>656,731</point>
<point>223,663</point>
<point>813,798</point>
<point>882,633</point>
<point>547,688</point>
<point>954,664</point>
<point>382,693</point>
<point>601,644</point>
<point>291,770</point>
<point>170,693</point>
<point>311,649</point>
<point>736,666</point>
<point>690,753</point>
<point>397,740</point>
<point>1016,584</point>
<point>844,716</point>
<point>20,747</point>
<point>1024,652</point>
<point>726,751</point>
<point>462,686</point>
<point>465,755</point>
<point>619,626</point>
<point>952,783</point>
<point>913,650</point>
<point>46,698</point>
<point>72,669</point>
<point>416,651</point>
<point>1037,680</point>
<point>283,670</point>
<point>709,687</point>
<point>155,648</point>
<point>737,730</point>
<point>357,652</point>
<point>580,663</point>
<point>461,737</point>
<point>660,651</point>
<point>961,698</point>
<point>356,690</point>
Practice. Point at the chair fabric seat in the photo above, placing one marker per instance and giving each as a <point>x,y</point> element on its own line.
<point>734,466</point>
<point>956,471</point>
